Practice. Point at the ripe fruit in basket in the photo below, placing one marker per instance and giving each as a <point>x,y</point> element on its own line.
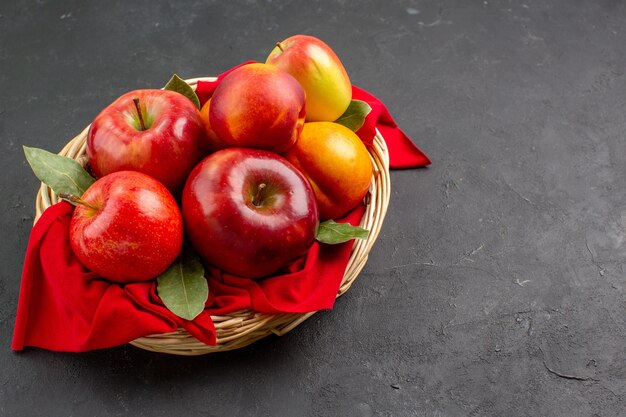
<point>126,227</point>
<point>249,212</point>
<point>336,163</point>
<point>157,132</point>
<point>215,143</point>
<point>318,69</point>
<point>258,106</point>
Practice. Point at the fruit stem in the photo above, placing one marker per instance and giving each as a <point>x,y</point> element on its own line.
<point>257,198</point>
<point>138,107</point>
<point>74,199</point>
<point>279,46</point>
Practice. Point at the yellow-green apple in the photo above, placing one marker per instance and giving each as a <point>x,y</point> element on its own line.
<point>318,69</point>
<point>249,212</point>
<point>126,227</point>
<point>336,163</point>
<point>258,106</point>
<point>157,132</point>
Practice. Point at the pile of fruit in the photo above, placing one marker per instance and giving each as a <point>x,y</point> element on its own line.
<point>243,181</point>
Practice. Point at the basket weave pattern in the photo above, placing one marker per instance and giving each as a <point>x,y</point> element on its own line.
<point>244,327</point>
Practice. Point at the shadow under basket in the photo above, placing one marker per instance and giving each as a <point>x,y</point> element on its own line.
<point>244,327</point>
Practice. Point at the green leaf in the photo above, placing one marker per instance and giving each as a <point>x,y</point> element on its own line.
<point>183,287</point>
<point>354,116</point>
<point>180,86</point>
<point>332,233</point>
<point>62,174</point>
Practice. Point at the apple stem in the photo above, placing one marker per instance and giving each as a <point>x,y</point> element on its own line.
<point>138,107</point>
<point>74,199</point>
<point>279,46</point>
<point>257,198</point>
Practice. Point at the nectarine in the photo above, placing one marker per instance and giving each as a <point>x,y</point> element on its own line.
<point>258,106</point>
<point>336,163</point>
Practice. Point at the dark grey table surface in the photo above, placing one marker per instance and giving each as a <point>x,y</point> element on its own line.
<point>496,287</point>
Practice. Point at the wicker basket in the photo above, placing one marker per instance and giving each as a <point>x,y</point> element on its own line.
<point>244,327</point>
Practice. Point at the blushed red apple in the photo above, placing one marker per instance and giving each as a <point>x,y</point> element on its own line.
<point>249,212</point>
<point>126,227</point>
<point>258,106</point>
<point>320,72</point>
<point>162,136</point>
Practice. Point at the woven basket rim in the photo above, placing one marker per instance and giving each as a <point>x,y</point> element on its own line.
<point>241,328</point>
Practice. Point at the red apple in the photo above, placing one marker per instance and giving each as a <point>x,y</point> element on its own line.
<point>318,69</point>
<point>258,106</point>
<point>249,212</point>
<point>162,136</point>
<point>126,227</point>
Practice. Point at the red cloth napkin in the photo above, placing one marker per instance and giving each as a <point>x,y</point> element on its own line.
<point>64,307</point>
<point>402,151</point>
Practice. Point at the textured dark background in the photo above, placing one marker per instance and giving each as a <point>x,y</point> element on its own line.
<point>496,287</point>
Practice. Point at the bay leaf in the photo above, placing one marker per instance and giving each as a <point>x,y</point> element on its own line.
<point>354,116</point>
<point>183,287</point>
<point>61,174</point>
<point>179,85</point>
<point>331,232</point>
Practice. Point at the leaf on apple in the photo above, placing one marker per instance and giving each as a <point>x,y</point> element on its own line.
<point>331,233</point>
<point>179,85</point>
<point>62,174</point>
<point>183,287</point>
<point>354,116</point>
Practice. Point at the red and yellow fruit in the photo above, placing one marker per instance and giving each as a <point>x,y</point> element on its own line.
<point>320,72</point>
<point>336,163</point>
<point>258,106</point>
<point>215,143</point>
